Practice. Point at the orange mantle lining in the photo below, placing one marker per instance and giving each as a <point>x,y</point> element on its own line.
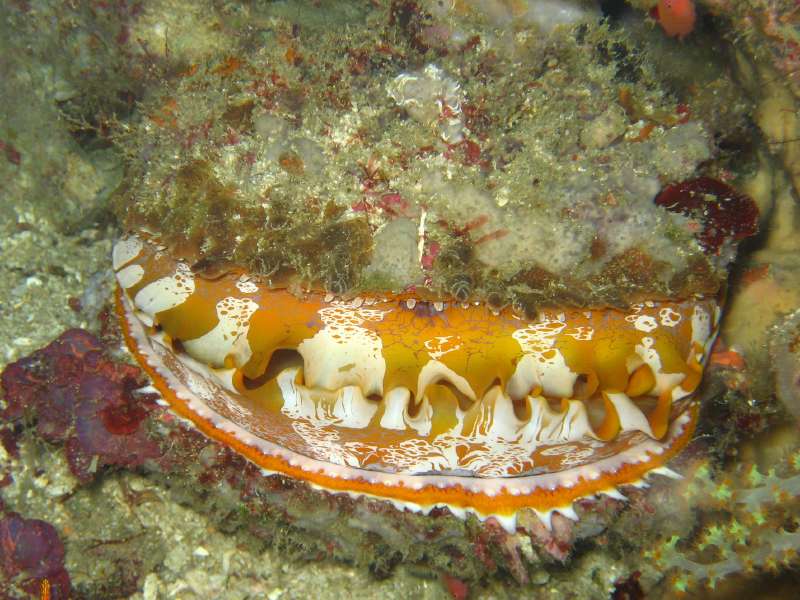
<point>501,503</point>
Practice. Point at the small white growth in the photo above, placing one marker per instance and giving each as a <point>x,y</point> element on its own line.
<point>432,98</point>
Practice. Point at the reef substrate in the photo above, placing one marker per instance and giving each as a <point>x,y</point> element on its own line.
<point>105,424</point>
<point>509,157</point>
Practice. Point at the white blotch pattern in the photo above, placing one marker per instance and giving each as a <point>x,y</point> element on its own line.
<point>345,407</point>
<point>245,285</point>
<point>345,352</point>
<point>167,292</point>
<point>631,418</point>
<point>437,347</point>
<point>541,364</point>
<point>229,337</point>
<point>664,381</point>
<point>644,323</point>
<point>125,251</point>
<point>130,276</point>
<point>435,372</point>
<point>669,317</point>
<point>701,326</point>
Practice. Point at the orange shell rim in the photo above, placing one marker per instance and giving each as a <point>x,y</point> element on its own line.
<point>502,502</point>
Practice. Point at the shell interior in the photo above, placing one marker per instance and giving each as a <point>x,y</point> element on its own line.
<point>421,403</point>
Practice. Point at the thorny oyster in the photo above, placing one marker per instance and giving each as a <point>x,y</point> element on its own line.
<point>431,268</point>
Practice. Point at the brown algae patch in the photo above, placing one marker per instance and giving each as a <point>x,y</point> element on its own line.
<point>437,151</point>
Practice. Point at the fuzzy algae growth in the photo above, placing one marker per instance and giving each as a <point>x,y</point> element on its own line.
<point>440,151</point>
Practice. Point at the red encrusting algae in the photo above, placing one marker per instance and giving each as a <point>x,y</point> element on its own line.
<point>723,213</point>
<point>32,557</point>
<point>78,396</point>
